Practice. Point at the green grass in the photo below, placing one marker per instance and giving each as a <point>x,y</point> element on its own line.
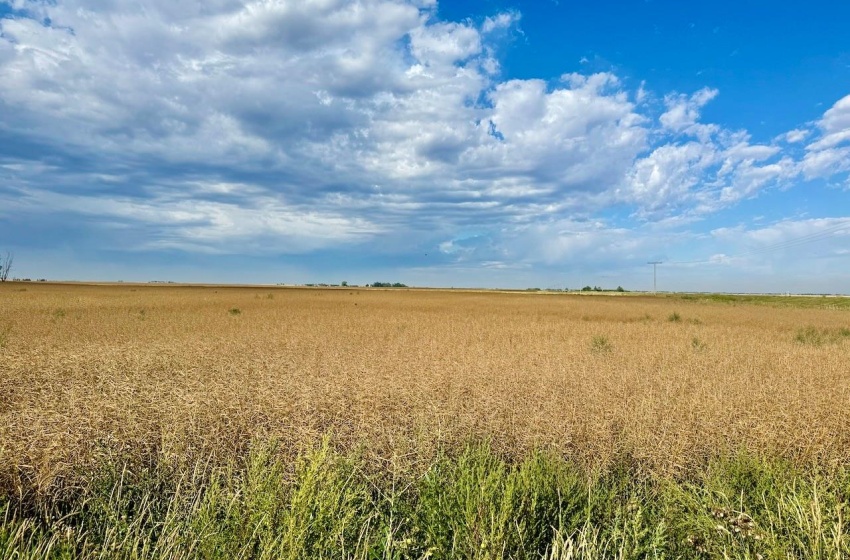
<point>471,504</point>
<point>807,302</point>
<point>818,337</point>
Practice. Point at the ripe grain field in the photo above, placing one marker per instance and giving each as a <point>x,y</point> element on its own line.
<point>137,379</point>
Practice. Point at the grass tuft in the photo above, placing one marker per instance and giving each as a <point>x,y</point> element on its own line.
<point>818,337</point>
<point>600,343</point>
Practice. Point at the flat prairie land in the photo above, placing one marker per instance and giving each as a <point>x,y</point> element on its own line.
<point>180,375</point>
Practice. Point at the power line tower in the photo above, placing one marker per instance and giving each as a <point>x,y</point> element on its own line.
<point>654,275</point>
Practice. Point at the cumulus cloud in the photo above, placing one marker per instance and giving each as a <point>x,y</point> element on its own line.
<point>704,167</point>
<point>444,44</point>
<point>701,172</point>
<point>226,124</point>
<point>829,153</point>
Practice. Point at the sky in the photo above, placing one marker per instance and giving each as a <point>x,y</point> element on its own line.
<point>494,143</point>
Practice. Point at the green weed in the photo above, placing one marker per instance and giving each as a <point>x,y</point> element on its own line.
<point>600,343</point>
<point>802,301</point>
<point>817,337</point>
<point>469,504</point>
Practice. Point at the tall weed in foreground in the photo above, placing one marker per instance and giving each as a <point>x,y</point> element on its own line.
<point>265,511</point>
<point>761,508</point>
<point>473,504</point>
<point>477,506</point>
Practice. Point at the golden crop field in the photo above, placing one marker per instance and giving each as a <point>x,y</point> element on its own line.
<point>187,371</point>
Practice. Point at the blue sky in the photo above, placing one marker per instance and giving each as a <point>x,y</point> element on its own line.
<point>494,143</point>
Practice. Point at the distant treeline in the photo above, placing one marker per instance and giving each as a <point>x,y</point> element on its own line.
<point>598,289</point>
<point>347,285</point>
<point>585,289</point>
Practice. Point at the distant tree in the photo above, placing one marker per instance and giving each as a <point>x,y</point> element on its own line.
<point>344,283</point>
<point>388,285</point>
<point>620,289</point>
<point>6,266</point>
<point>587,289</point>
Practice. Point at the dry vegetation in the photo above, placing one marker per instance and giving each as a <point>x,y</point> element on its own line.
<point>187,372</point>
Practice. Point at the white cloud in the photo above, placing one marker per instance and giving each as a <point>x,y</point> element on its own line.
<point>501,21</point>
<point>830,140</point>
<point>444,43</point>
<point>827,155</point>
<point>796,135</point>
<point>837,117</point>
<point>683,113</point>
<point>580,136</point>
<point>702,168</point>
<point>667,176</point>
<point>584,244</point>
<point>229,122</point>
<point>749,178</point>
<point>217,226</point>
<point>825,163</point>
<point>641,95</point>
<point>744,151</point>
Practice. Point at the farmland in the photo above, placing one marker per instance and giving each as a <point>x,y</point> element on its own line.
<point>679,426</point>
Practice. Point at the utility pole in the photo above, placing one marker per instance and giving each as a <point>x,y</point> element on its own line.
<point>654,276</point>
